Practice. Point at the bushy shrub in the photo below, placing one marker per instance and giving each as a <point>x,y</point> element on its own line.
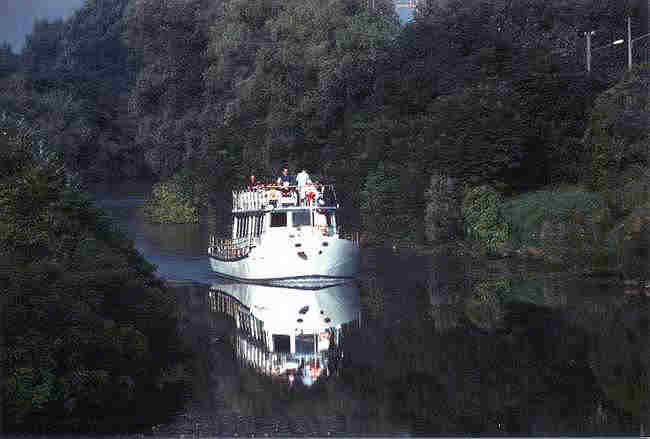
<point>481,210</point>
<point>174,201</point>
<point>568,223</point>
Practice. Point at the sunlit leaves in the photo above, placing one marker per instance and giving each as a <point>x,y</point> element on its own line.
<point>481,210</point>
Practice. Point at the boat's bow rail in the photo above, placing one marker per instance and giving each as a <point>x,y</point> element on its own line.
<point>232,249</point>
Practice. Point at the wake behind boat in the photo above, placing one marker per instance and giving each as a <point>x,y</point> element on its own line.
<point>286,236</point>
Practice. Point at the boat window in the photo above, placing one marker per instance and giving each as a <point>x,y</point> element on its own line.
<point>279,219</point>
<point>301,218</point>
<point>281,343</point>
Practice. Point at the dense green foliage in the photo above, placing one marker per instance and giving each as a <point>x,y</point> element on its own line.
<point>387,207</point>
<point>73,82</point>
<point>167,206</point>
<point>177,200</point>
<point>485,92</point>
<point>484,220</point>
<point>618,138</point>
<point>90,332</point>
<point>527,213</point>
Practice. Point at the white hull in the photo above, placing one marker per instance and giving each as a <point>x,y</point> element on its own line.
<point>278,261</point>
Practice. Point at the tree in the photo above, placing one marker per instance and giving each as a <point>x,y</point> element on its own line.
<point>91,333</point>
<point>387,208</point>
<point>8,60</point>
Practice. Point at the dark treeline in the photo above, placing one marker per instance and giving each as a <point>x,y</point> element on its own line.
<point>488,92</point>
<point>90,338</point>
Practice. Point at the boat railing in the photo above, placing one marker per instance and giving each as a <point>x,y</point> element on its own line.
<point>263,196</point>
<point>249,200</point>
<point>348,235</point>
<point>229,249</point>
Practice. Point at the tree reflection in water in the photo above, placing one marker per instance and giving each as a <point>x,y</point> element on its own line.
<point>475,351</point>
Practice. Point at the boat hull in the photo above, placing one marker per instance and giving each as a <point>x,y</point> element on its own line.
<point>312,264</point>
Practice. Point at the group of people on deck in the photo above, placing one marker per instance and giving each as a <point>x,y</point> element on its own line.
<point>306,189</point>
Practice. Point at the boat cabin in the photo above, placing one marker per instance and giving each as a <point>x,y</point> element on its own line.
<point>270,209</point>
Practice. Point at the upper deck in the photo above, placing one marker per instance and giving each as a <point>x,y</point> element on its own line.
<point>267,197</point>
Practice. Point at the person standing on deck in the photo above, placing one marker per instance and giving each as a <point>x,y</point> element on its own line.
<point>302,180</point>
<point>284,178</point>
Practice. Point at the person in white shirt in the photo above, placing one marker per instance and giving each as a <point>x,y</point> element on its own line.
<point>302,179</point>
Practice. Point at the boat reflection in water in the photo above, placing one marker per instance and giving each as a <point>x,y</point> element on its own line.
<point>285,331</point>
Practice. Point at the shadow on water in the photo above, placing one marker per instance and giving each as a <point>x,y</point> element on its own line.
<point>420,345</point>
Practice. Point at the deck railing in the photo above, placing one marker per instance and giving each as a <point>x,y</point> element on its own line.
<point>355,237</point>
<point>249,200</point>
<point>261,197</point>
<point>232,248</point>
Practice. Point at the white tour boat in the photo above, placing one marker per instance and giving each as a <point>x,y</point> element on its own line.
<point>280,238</point>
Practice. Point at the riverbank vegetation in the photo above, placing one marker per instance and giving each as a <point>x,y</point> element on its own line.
<point>177,200</point>
<point>90,333</point>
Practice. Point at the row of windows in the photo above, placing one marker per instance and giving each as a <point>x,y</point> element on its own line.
<point>278,219</point>
<point>299,218</point>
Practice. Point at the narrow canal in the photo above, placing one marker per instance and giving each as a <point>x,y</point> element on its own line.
<point>425,344</point>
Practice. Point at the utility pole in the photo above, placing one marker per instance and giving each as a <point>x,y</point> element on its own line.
<point>629,44</point>
<point>588,34</point>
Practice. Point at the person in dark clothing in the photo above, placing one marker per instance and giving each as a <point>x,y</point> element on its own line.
<point>285,178</point>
